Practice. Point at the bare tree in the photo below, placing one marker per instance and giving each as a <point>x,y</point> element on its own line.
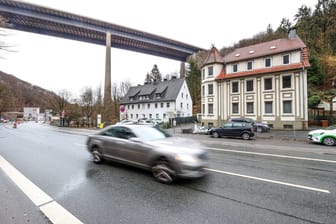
<point>87,103</point>
<point>60,102</point>
<point>124,87</point>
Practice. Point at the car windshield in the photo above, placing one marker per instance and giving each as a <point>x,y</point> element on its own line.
<point>147,133</point>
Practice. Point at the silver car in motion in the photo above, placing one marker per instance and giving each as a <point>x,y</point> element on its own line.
<point>149,148</point>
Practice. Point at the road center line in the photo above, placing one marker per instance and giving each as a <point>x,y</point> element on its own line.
<point>271,181</point>
<point>274,155</point>
<point>51,209</point>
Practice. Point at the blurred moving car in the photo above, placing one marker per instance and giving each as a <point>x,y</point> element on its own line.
<point>257,126</point>
<point>150,148</point>
<point>326,136</point>
<point>233,129</point>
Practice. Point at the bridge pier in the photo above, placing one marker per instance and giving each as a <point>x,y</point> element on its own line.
<point>108,106</point>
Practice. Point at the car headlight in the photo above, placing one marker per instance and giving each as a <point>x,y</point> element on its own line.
<point>187,159</point>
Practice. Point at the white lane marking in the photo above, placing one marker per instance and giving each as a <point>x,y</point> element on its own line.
<point>271,181</point>
<point>274,155</point>
<point>57,214</point>
<point>53,211</point>
<point>29,188</point>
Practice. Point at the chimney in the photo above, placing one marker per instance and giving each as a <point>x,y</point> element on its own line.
<point>292,33</point>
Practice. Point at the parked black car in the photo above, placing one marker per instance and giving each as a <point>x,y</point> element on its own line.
<point>257,126</point>
<point>233,129</point>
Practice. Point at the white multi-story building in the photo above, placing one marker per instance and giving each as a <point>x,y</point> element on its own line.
<point>266,82</point>
<point>159,100</point>
<point>31,113</point>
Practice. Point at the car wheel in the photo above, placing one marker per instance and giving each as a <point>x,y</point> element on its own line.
<point>96,155</point>
<point>163,172</point>
<point>215,134</point>
<point>329,141</point>
<point>246,136</point>
<point>259,129</point>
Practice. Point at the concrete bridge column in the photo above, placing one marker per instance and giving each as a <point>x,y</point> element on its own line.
<point>107,116</point>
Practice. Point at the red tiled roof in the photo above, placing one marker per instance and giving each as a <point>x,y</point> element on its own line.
<point>263,49</point>
<point>281,68</point>
<point>213,57</point>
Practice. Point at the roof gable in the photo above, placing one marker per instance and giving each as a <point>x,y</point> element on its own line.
<point>213,57</point>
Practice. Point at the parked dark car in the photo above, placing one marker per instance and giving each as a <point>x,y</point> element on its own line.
<point>150,148</point>
<point>257,126</point>
<point>233,129</point>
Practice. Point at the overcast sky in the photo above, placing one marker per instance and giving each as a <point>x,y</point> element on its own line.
<point>55,63</point>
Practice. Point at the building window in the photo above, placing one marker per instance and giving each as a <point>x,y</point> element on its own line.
<point>249,85</point>
<point>155,105</point>
<point>137,116</point>
<point>268,107</point>
<point>128,106</point>
<point>187,96</point>
<point>181,105</point>
<point>132,106</point>
<point>148,106</point>
<point>287,106</point>
<point>235,108</point>
<point>157,116</point>
<point>139,106</point>
<point>268,84</point>
<point>249,65</point>
<point>168,105</point>
<point>203,91</point>
<point>286,81</point>
<point>164,116</point>
<point>203,74</point>
<point>161,105</point>
<point>210,71</point>
<point>249,108</point>
<point>150,115</point>
<point>187,106</point>
<point>182,95</point>
<point>203,108</point>
<point>210,108</point>
<point>285,59</point>
<point>210,89</point>
<point>235,68</point>
<point>235,87</point>
<point>268,62</point>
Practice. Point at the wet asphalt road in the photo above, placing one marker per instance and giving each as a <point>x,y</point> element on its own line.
<point>240,187</point>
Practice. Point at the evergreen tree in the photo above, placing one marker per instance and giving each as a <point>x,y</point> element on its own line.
<point>194,83</point>
<point>155,74</point>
